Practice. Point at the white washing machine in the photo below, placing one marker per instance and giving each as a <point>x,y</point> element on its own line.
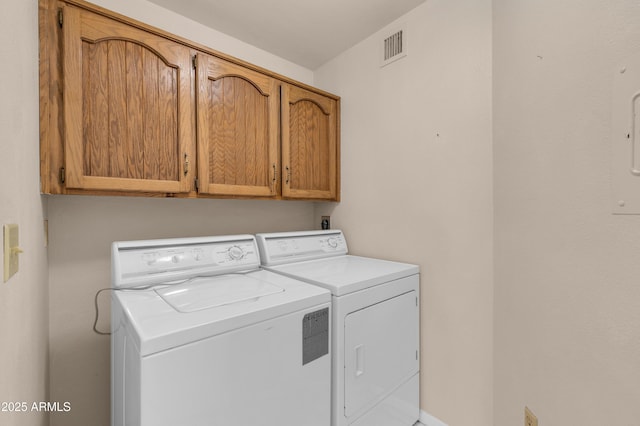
<point>375,366</point>
<point>202,336</point>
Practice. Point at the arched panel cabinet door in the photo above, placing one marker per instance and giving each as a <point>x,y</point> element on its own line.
<point>237,121</point>
<point>310,145</point>
<point>127,107</point>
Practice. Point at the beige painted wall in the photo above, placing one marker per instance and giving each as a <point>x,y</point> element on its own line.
<point>417,173</point>
<point>417,186</point>
<point>24,299</point>
<point>81,232</point>
<point>567,288</point>
<point>82,229</point>
<point>167,20</point>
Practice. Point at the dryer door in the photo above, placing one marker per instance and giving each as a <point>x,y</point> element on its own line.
<point>381,344</point>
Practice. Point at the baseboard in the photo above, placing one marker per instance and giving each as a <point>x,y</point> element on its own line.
<point>428,420</point>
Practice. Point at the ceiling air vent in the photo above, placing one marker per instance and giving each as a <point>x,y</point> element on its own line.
<point>394,46</point>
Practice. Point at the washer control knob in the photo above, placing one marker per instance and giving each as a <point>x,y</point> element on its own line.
<point>175,258</point>
<point>149,258</point>
<point>236,253</point>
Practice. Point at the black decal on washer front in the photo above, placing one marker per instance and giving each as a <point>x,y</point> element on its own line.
<point>315,335</point>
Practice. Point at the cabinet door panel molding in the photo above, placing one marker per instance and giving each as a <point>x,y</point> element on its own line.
<point>237,129</point>
<point>126,97</point>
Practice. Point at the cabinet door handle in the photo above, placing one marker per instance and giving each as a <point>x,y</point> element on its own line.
<point>186,164</point>
<point>288,175</point>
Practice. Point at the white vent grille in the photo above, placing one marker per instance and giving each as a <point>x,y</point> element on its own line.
<point>394,47</point>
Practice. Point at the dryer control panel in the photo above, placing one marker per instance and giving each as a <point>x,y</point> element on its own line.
<point>140,263</point>
<point>286,247</point>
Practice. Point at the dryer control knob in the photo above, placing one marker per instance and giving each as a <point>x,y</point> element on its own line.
<point>333,243</point>
<point>236,253</point>
<point>198,255</point>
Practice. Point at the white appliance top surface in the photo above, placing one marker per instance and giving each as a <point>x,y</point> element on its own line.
<point>176,291</point>
<point>210,292</point>
<point>171,316</point>
<point>346,274</point>
<point>320,258</point>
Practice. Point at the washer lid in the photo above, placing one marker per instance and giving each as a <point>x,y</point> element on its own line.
<point>346,274</point>
<point>209,292</point>
<point>156,324</point>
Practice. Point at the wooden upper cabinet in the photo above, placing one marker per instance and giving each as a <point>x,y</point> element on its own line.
<point>310,146</point>
<point>128,115</point>
<point>128,109</point>
<point>237,121</point>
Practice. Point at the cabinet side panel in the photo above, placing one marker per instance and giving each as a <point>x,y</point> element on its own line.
<point>45,78</point>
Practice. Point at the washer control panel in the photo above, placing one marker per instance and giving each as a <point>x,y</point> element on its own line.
<point>297,246</point>
<point>154,261</point>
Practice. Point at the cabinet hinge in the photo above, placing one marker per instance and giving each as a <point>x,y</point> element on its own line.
<point>197,184</point>
<point>60,17</point>
<point>194,61</point>
<point>62,176</point>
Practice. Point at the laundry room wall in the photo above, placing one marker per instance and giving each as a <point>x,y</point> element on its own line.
<point>82,228</point>
<point>417,187</point>
<point>81,232</point>
<point>24,309</point>
<point>567,293</point>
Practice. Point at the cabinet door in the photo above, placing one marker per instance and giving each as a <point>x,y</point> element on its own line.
<point>127,107</point>
<point>237,129</point>
<point>309,145</point>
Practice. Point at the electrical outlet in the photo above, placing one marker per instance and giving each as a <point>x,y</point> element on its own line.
<point>529,418</point>
<point>325,222</point>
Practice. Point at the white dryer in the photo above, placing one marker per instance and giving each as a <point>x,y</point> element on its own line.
<point>202,336</point>
<point>375,366</point>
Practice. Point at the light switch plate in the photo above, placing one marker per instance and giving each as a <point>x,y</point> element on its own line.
<point>11,251</point>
